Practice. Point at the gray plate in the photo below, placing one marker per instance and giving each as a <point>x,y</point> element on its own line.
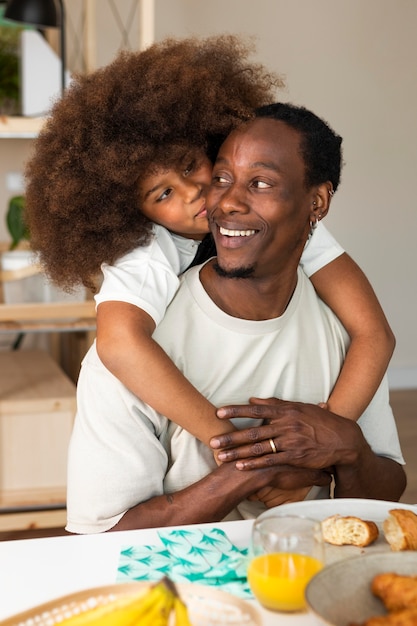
<point>341,593</point>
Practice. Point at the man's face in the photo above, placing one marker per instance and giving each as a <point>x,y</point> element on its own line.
<point>258,205</point>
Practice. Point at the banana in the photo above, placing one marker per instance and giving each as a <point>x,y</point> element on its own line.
<point>152,608</point>
<point>158,614</point>
<point>181,613</point>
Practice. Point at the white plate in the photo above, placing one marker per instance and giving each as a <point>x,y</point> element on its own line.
<point>374,510</point>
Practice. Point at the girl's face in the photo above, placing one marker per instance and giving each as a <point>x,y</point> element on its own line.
<point>176,198</point>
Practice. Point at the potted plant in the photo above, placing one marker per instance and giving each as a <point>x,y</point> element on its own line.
<point>23,278</point>
<point>9,70</point>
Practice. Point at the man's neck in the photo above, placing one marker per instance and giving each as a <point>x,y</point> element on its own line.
<point>250,298</point>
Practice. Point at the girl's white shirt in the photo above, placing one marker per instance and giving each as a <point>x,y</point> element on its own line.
<point>147,277</point>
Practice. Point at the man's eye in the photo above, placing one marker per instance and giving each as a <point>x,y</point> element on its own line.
<point>220,180</point>
<point>260,184</point>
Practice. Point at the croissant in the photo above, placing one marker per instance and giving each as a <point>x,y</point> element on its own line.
<point>400,529</point>
<point>396,592</point>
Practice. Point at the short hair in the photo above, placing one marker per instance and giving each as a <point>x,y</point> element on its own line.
<point>320,145</point>
<point>144,110</point>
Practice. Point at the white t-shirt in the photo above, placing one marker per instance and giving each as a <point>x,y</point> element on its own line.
<point>148,276</point>
<point>122,452</point>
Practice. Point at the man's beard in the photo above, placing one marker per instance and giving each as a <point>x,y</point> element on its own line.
<point>239,272</point>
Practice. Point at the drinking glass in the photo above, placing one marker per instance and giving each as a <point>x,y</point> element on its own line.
<point>286,552</point>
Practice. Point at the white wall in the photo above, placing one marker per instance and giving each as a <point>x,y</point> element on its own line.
<point>354,63</point>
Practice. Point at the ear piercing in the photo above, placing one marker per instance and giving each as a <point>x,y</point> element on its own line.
<point>313,225</point>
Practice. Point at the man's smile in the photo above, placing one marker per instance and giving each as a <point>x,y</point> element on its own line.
<point>235,233</point>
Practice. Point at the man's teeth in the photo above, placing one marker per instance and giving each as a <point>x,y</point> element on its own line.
<point>236,233</point>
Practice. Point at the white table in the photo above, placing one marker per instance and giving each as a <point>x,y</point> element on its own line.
<point>34,571</point>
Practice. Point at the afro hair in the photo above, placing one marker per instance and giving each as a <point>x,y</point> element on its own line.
<point>143,110</point>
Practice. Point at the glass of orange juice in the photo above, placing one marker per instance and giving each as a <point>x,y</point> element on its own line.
<point>286,552</point>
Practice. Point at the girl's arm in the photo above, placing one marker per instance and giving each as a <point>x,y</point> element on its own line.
<point>346,290</point>
<point>126,348</point>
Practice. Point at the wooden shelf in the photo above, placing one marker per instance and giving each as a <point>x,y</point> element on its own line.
<point>51,498</point>
<point>20,127</point>
<point>65,312</point>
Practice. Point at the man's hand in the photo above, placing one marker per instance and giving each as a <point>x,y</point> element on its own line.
<point>303,435</point>
<point>213,497</point>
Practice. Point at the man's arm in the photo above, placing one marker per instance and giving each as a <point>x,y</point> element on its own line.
<point>375,477</point>
<point>306,435</point>
<point>214,496</point>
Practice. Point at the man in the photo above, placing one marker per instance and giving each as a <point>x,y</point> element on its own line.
<point>245,324</point>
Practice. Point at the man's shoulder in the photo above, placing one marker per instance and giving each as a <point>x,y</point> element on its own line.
<point>191,277</point>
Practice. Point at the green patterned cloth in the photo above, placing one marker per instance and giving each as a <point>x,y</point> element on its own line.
<point>189,555</point>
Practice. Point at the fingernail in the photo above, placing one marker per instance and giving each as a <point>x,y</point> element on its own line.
<point>239,465</point>
<point>221,413</point>
<point>222,456</point>
<point>214,443</point>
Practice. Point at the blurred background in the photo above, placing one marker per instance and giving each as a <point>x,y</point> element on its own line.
<point>352,61</point>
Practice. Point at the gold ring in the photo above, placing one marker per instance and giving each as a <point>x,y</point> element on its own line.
<point>273,446</point>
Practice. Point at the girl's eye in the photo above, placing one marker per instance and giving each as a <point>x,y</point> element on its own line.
<point>189,168</point>
<point>164,195</point>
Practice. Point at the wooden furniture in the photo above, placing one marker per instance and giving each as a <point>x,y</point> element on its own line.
<point>37,408</point>
<point>17,127</point>
<point>77,318</point>
<point>70,324</point>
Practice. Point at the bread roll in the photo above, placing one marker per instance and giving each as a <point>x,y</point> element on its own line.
<point>349,530</point>
<point>396,591</point>
<point>399,596</point>
<point>400,530</point>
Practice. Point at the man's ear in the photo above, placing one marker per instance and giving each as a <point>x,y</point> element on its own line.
<point>320,205</point>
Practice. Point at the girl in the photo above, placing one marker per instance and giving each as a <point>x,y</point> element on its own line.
<point>116,191</point>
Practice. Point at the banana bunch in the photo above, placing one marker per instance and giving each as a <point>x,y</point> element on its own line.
<point>152,609</point>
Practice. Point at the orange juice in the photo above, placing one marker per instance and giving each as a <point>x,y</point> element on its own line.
<point>278,580</point>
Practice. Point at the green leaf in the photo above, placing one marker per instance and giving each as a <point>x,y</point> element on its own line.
<point>15,220</point>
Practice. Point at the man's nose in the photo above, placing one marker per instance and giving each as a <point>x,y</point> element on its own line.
<point>232,200</point>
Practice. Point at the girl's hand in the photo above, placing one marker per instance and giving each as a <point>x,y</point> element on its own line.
<point>271,496</point>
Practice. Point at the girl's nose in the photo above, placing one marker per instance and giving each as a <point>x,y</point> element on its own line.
<point>192,190</point>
